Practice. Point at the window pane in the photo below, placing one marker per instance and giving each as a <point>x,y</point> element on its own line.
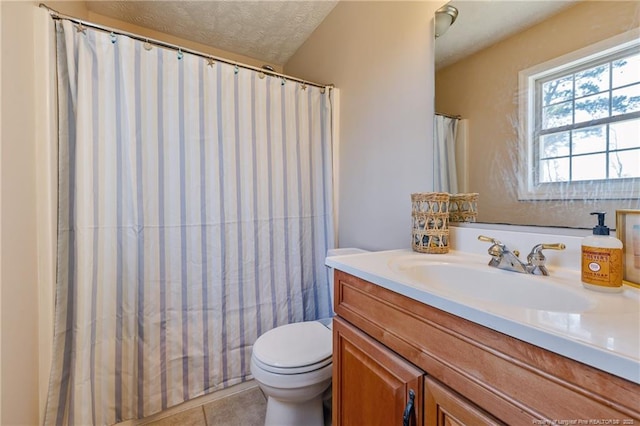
<point>626,100</point>
<point>558,90</point>
<point>590,139</point>
<point>586,124</point>
<point>589,167</point>
<point>554,145</point>
<point>592,81</point>
<point>557,115</point>
<point>624,134</point>
<point>592,107</point>
<point>556,170</point>
<point>624,164</point>
<point>626,71</point>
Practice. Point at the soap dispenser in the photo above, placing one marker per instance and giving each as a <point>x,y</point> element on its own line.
<point>602,259</point>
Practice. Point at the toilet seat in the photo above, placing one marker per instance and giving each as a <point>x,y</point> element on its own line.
<point>294,348</point>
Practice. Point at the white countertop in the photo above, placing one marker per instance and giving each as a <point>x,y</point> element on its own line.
<point>605,336</point>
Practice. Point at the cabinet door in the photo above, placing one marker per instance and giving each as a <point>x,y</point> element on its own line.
<point>372,384</point>
<point>444,407</point>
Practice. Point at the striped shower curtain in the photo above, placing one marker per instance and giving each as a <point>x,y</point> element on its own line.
<point>194,215</point>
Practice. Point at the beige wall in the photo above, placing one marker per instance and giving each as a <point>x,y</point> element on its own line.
<point>380,56</point>
<point>0,213</point>
<point>484,89</point>
<point>19,279</point>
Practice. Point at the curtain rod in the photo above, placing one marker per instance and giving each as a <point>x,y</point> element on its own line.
<point>57,15</point>
<point>455,117</point>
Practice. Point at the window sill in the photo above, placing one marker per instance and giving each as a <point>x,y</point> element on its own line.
<point>629,189</point>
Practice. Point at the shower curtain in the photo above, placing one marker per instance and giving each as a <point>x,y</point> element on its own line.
<point>195,202</point>
<point>444,136</point>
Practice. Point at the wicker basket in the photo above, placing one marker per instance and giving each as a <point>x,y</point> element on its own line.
<point>430,217</point>
<point>463,207</point>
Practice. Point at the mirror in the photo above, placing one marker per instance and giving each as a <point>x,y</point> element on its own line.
<point>477,78</point>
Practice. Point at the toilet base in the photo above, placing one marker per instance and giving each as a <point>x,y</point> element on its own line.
<point>282,413</point>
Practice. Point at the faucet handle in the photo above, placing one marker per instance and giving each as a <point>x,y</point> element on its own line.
<point>496,250</point>
<point>489,240</point>
<point>537,259</point>
<point>539,247</point>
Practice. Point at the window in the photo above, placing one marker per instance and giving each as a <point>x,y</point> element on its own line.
<point>582,123</point>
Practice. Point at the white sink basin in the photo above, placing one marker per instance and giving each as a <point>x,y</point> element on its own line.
<point>483,283</point>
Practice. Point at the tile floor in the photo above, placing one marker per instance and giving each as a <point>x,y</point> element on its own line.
<point>246,408</point>
<point>245,405</point>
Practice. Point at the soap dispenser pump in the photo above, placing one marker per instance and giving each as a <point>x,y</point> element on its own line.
<point>602,259</point>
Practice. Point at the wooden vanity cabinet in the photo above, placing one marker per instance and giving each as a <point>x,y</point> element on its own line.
<point>461,373</point>
<point>375,383</point>
<point>372,386</point>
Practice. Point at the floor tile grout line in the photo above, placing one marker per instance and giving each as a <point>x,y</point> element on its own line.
<point>204,415</point>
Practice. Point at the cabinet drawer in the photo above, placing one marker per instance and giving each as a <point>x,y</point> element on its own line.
<point>518,383</point>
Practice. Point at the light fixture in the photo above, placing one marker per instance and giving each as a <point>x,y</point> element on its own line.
<point>445,17</point>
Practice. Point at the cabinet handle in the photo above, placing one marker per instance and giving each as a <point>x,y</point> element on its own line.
<point>406,417</point>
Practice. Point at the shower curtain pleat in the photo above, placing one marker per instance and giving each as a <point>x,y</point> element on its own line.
<point>194,215</point>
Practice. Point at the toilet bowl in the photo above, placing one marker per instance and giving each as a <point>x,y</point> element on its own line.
<point>293,367</point>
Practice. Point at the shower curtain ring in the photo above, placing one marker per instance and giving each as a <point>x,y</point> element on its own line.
<point>81,28</point>
<point>114,38</point>
<point>180,54</point>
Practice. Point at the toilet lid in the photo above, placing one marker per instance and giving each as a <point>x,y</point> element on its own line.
<point>294,345</point>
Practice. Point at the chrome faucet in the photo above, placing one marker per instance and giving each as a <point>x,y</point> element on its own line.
<point>503,258</point>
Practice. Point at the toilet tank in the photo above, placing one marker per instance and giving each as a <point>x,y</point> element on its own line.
<point>340,252</point>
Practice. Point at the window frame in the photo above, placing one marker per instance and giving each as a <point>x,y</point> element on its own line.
<point>528,108</point>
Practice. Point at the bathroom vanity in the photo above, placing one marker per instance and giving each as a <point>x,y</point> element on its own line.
<point>403,349</point>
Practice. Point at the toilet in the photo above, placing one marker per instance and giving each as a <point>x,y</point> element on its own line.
<point>292,365</point>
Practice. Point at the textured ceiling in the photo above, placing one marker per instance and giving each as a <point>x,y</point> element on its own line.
<point>483,23</point>
<point>270,31</point>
